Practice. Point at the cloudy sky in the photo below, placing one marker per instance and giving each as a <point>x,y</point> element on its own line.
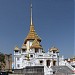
<point>53,21</point>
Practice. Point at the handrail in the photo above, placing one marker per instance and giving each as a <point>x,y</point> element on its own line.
<point>68,65</point>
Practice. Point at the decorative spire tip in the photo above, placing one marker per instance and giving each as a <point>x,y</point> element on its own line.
<point>31,13</point>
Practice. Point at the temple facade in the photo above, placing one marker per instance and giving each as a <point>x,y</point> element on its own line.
<point>32,53</point>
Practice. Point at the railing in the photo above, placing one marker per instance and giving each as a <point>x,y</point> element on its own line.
<point>68,65</point>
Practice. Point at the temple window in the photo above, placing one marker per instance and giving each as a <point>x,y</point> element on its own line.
<point>54,55</point>
<point>18,65</point>
<point>40,55</point>
<point>41,62</point>
<point>31,55</point>
<point>23,50</point>
<point>54,51</point>
<point>48,63</point>
<point>18,58</point>
<point>54,63</point>
<point>36,50</point>
<point>16,51</point>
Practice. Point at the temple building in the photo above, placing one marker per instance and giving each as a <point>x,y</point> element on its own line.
<point>32,53</point>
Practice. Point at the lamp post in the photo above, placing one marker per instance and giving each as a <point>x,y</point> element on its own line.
<point>57,57</point>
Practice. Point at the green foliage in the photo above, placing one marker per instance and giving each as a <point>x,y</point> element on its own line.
<point>2,58</point>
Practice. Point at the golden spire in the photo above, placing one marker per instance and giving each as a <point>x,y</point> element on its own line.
<point>32,34</point>
<point>31,23</point>
<point>31,19</point>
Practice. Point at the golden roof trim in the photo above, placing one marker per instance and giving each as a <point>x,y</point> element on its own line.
<point>16,48</point>
<point>36,44</point>
<point>54,49</point>
<point>24,46</point>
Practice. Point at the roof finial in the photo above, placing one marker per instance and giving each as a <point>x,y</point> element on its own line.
<point>31,13</point>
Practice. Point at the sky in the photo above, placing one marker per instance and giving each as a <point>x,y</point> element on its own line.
<point>53,21</point>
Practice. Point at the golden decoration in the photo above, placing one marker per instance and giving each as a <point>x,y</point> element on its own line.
<point>36,44</point>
